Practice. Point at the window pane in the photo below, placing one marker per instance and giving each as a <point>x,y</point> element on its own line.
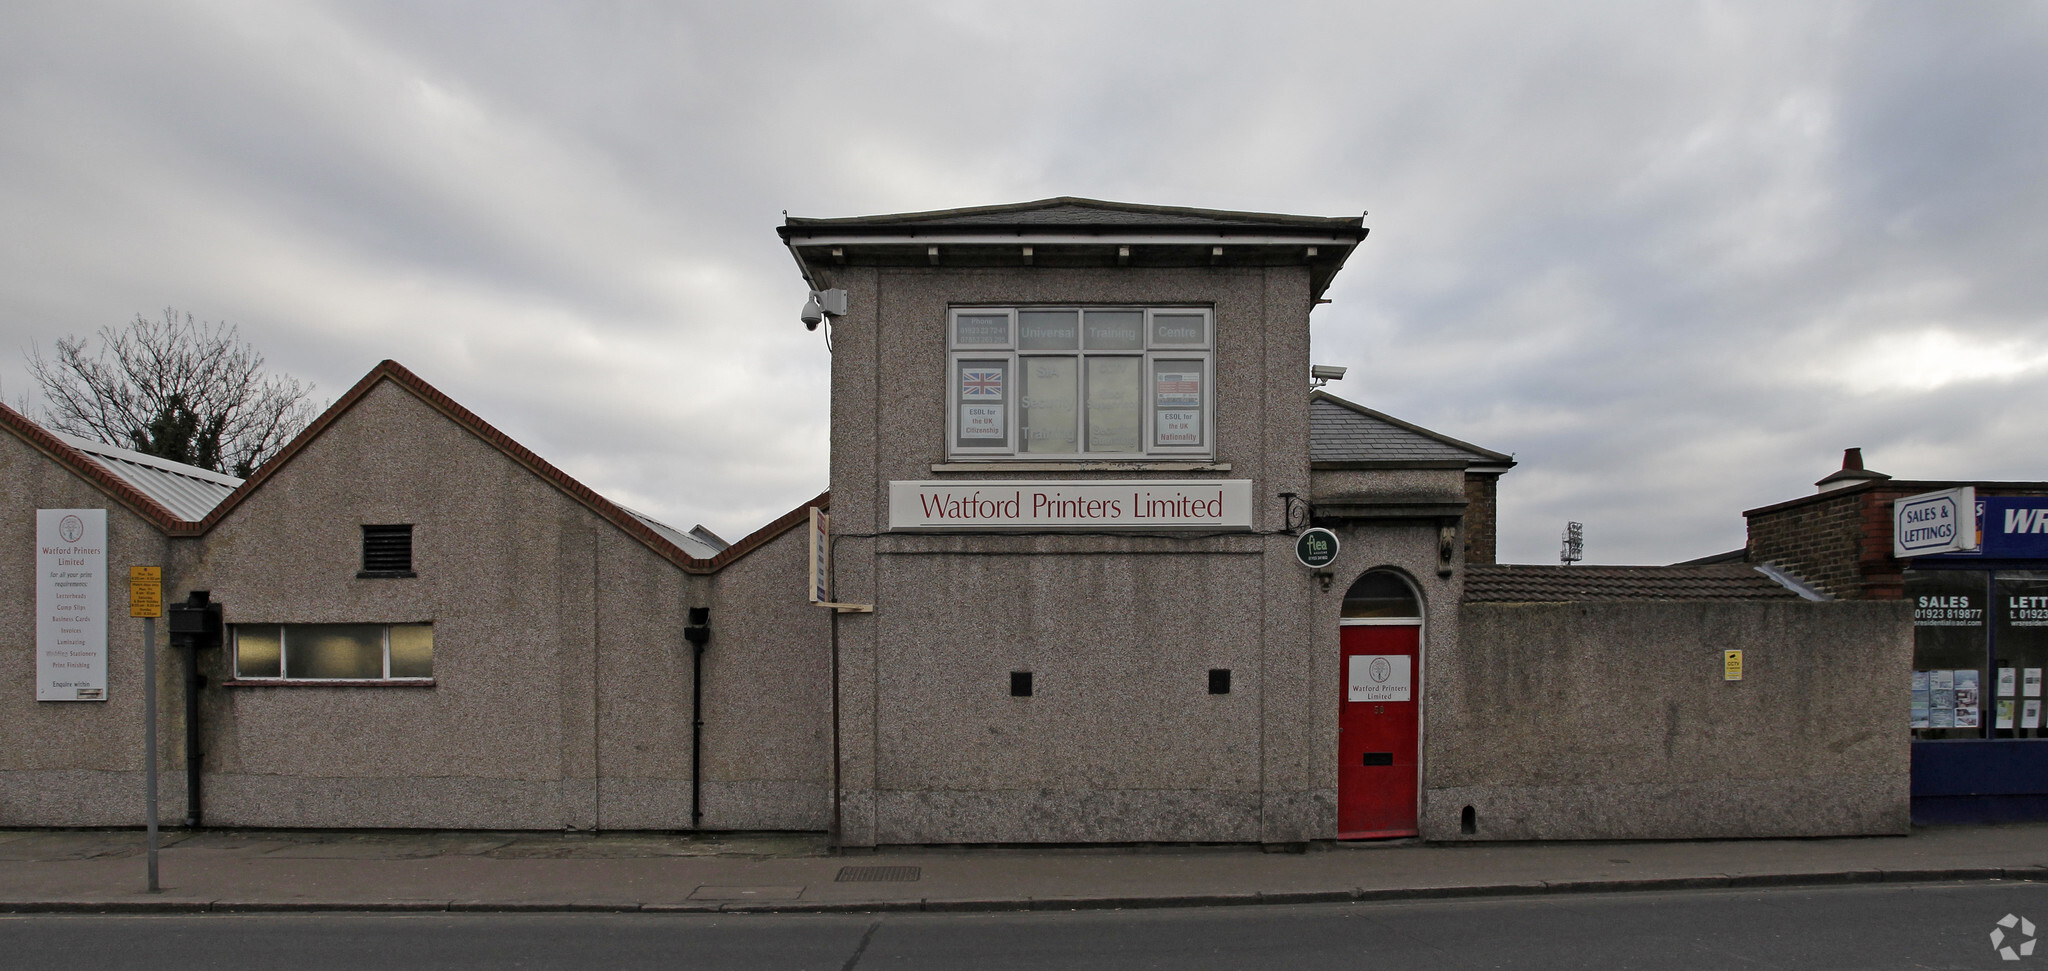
<point>981,386</point>
<point>1177,402</point>
<point>412,650</point>
<point>2014,694</point>
<point>1116,330</point>
<point>1048,330</point>
<point>334,651</point>
<point>256,651</point>
<point>982,329</point>
<point>1051,401</point>
<point>1113,404</point>
<point>1184,329</point>
<point>1949,652</point>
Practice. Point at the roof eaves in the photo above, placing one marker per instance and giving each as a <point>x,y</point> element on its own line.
<point>760,537</point>
<point>82,465</point>
<point>1493,457</point>
<point>1219,219</point>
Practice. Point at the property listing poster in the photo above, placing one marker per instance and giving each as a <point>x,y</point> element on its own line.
<point>1955,699</point>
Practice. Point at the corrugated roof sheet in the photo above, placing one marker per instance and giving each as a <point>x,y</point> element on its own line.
<point>687,542</point>
<point>1342,431</point>
<point>188,491</point>
<point>1518,583</point>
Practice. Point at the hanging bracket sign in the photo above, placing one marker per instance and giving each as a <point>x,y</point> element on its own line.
<point>1935,522</point>
<point>1316,548</point>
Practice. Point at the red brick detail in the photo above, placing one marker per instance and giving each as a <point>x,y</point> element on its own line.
<point>79,464</point>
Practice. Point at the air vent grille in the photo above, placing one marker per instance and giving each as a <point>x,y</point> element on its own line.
<point>387,550</point>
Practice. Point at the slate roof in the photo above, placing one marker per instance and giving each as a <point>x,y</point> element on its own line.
<point>1341,431</point>
<point>1519,583</point>
<point>1078,213</point>
<point>188,491</point>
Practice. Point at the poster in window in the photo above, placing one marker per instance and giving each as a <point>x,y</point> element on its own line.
<point>2030,682</point>
<point>981,422</point>
<point>1178,389</point>
<point>2030,713</point>
<point>1179,428</point>
<point>971,329</point>
<point>1969,695</point>
<point>2007,682</point>
<point>981,384</point>
<point>1921,699</point>
<point>1942,685</point>
<point>1941,718</point>
<point>2004,713</point>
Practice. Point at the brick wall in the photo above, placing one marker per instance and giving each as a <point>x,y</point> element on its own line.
<point>1841,541</point>
<point>1481,492</point>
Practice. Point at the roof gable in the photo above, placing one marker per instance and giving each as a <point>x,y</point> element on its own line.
<point>1347,434</point>
<point>649,532</point>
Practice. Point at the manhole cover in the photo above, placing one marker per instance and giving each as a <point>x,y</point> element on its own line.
<point>874,874</point>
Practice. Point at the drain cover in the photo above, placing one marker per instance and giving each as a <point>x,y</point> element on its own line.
<point>876,874</point>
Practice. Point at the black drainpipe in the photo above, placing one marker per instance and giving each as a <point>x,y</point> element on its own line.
<point>698,633</point>
<point>194,624</point>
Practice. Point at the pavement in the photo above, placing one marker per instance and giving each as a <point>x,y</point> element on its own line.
<point>103,871</point>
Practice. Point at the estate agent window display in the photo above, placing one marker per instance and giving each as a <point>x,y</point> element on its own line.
<point>1980,650</point>
<point>1080,383</point>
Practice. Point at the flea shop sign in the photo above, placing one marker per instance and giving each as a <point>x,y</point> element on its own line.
<point>1935,522</point>
<point>1124,504</point>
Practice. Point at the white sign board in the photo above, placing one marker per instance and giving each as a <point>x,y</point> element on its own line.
<point>821,557</point>
<point>71,605</point>
<point>1377,677</point>
<point>1118,504</point>
<point>1935,522</point>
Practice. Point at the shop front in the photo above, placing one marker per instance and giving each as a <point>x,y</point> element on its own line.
<point>1980,623</point>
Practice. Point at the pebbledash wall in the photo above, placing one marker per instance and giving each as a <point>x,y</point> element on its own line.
<point>561,687</point>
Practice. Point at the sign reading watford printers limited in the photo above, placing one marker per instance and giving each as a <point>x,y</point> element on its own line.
<point>1115,504</point>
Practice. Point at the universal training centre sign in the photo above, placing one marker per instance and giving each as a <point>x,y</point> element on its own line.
<point>1130,504</point>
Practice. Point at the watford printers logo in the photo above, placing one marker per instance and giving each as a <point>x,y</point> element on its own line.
<point>71,528</point>
<point>2024,939</point>
<point>1380,669</point>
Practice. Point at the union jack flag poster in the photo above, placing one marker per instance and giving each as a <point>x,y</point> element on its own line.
<point>981,384</point>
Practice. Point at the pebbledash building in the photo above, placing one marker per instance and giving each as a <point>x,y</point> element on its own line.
<point>1055,593</point>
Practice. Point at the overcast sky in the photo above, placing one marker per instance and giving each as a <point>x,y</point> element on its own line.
<point>1675,257</point>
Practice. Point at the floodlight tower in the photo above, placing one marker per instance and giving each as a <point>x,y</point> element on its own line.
<point>1574,544</point>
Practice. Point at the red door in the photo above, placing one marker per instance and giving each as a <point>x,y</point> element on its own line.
<point>1376,731</point>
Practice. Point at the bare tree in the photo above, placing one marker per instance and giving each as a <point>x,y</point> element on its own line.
<point>181,389</point>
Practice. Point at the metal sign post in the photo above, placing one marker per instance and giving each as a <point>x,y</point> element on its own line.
<point>146,600</point>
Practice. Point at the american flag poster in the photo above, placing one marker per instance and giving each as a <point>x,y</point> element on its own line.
<point>981,384</point>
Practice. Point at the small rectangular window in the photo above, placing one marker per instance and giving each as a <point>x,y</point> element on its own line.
<point>387,551</point>
<point>1020,684</point>
<point>334,652</point>
<point>1219,681</point>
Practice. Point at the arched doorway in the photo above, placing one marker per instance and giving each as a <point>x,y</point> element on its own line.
<point>1377,725</point>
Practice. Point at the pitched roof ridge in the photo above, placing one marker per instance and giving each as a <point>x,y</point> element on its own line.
<point>1501,457</point>
<point>82,465</point>
<point>760,537</point>
<point>404,378</point>
<point>1081,202</point>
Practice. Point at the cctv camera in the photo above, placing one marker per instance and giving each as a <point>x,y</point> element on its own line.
<point>1326,372</point>
<point>813,313</point>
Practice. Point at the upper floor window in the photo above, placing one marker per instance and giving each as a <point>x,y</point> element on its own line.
<point>1080,382</point>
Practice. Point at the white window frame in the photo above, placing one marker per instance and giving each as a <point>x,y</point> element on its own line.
<point>1014,358</point>
<point>284,654</point>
